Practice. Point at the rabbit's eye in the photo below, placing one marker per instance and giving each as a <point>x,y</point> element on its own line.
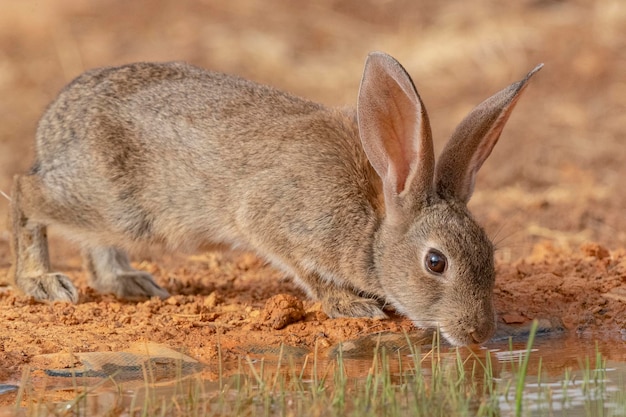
<point>436,262</point>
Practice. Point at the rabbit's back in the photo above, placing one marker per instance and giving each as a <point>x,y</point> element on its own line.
<point>172,153</point>
<point>159,105</point>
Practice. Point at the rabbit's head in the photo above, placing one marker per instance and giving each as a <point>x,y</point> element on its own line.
<point>433,261</point>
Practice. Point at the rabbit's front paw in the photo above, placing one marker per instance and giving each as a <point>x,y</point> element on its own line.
<point>139,284</point>
<point>49,287</point>
<point>351,305</point>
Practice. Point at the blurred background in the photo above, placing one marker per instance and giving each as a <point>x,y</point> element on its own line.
<point>557,173</point>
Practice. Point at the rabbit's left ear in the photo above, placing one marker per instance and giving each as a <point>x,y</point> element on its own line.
<point>472,142</point>
<point>395,134</point>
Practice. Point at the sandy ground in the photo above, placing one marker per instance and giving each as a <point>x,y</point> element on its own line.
<point>551,194</point>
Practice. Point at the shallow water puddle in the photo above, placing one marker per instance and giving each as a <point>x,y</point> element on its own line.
<point>567,374</point>
<point>579,375</point>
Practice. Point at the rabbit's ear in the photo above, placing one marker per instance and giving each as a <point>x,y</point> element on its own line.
<point>395,133</point>
<point>473,140</point>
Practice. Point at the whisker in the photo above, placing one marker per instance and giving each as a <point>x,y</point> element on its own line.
<point>5,195</point>
<point>499,237</point>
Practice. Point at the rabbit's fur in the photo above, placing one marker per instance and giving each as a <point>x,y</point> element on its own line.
<point>348,202</point>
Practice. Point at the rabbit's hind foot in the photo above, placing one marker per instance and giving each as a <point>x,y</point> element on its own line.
<point>51,286</point>
<point>110,272</point>
<point>139,284</point>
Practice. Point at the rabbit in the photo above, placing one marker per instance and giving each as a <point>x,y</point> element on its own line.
<point>347,201</point>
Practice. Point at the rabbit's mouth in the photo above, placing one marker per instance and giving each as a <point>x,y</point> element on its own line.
<point>453,336</point>
<point>467,335</point>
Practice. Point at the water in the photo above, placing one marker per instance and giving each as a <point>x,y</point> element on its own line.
<point>567,375</point>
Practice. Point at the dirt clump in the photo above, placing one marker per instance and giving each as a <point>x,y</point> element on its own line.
<point>281,310</point>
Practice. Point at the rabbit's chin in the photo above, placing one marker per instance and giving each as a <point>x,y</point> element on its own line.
<point>454,338</point>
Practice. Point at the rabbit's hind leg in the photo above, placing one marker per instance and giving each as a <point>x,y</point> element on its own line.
<point>30,270</point>
<point>110,272</point>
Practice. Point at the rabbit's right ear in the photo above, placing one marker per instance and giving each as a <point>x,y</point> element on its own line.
<point>395,133</point>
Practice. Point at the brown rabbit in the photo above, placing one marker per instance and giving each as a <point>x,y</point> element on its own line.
<point>348,202</point>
